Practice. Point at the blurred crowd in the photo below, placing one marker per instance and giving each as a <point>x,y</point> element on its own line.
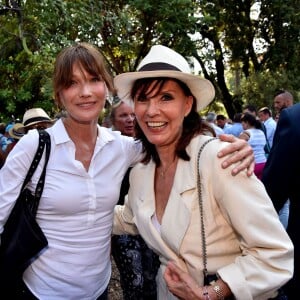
<point>10,133</point>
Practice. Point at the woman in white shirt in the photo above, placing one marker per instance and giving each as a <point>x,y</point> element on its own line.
<point>85,170</point>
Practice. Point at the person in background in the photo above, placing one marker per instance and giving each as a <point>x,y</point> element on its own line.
<point>35,118</point>
<point>251,109</point>
<point>282,100</point>
<point>211,120</point>
<point>222,122</point>
<point>86,167</point>
<point>14,136</point>
<point>236,127</point>
<point>122,118</point>
<point>281,178</point>
<point>137,264</point>
<point>265,116</point>
<point>9,139</point>
<point>3,144</point>
<point>7,142</point>
<point>15,133</point>
<point>257,140</point>
<point>250,262</point>
<point>3,138</point>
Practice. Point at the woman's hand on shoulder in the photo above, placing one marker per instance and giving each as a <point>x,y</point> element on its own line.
<point>241,153</point>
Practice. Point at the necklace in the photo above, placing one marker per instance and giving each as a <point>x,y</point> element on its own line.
<point>163,172</point>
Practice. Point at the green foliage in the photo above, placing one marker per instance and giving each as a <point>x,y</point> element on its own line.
<point>31,36</point>
<point>246,58</point>
<point>131,27</point>
<point>259,89</point>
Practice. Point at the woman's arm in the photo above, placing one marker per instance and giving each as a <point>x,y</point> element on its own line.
<point>123,220</point>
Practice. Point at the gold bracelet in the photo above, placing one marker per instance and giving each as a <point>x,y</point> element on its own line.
<point>218,290</point>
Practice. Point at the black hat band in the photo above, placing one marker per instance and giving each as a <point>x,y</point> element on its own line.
<point>158,67</point>
<point>36,119</point>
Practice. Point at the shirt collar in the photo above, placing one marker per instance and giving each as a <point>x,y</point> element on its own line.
<point>61,136</point>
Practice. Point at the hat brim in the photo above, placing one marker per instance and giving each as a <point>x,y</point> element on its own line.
<point>37,122</point>
<point>34,123</point>
<point>202,89</point>
<point>16,131</point>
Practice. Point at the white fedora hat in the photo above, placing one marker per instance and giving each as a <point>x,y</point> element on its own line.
<point>162,61</point>
<point>34,116</point>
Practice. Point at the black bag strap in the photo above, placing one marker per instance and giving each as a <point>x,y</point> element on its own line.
<point>44,141</point>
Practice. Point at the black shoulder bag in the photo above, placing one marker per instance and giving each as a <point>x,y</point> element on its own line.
<point>22,239</point>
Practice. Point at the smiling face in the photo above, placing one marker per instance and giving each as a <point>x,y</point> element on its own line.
<point>81,82</point>
<point>84,97</point>
<point>160,111</point>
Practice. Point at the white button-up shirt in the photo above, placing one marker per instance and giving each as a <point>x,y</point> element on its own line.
<point>75,210</point>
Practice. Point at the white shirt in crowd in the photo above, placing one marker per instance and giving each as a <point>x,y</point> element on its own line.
<point>270,125</point>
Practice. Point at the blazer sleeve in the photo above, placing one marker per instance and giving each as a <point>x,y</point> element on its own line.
<point>243,208</point>
<point>124,219</point>
<point>280,172</point>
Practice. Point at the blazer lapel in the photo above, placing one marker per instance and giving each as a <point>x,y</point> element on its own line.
<point>177,215</point>
<point>178,211</point>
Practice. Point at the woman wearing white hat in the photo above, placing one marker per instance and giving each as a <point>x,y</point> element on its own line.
<point>236,236</point>
<point>86,166</point>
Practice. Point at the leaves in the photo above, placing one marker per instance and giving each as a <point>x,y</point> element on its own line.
<point>237,52</point>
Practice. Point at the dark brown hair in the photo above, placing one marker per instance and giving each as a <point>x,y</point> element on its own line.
<point>251,120</point>
<point>192,123</point>
<point>87,57</point>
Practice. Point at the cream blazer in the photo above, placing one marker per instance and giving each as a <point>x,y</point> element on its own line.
<point>247,245</point>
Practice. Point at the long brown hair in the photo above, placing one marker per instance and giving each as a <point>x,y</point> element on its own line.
<point>192,123</point>
<point>87,57</point>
